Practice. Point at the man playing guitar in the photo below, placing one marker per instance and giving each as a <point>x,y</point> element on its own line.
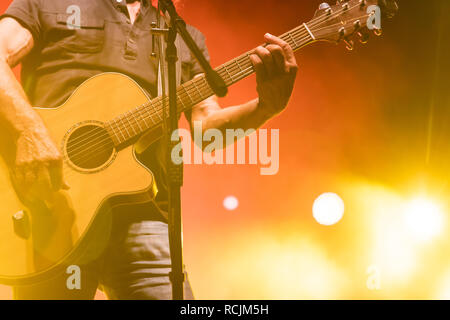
<point>113,36</point>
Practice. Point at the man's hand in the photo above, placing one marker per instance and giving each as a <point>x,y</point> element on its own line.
<point>38,167</point>
<point>276,69</point>
<point>37,170</point>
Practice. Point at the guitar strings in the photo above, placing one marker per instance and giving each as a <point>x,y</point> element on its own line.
<point>98,143</point>
<point>102,129</point>
<point>156,110</point>
<point>245,70</point>
<point>193,88</point>
<point>203,86</point>
<point>95,142</point>
<point>121,118</point>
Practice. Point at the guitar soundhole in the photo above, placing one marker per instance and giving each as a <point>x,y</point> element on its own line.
<point>89,147</point>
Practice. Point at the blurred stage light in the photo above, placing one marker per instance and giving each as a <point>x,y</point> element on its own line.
<point>230,203</point>
<point>328,209</point>
<point>292,265</point>
<point>443,292</point>
<point>424,219</point>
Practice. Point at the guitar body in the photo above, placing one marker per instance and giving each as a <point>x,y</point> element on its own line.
<point>39,239</point>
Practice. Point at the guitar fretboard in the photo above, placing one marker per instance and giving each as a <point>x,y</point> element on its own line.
<point>133,123</point>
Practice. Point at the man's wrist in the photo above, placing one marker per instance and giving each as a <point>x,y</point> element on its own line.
<point>264,111</point>
<point>28,123</point>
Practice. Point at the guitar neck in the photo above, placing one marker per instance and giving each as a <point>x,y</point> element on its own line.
<point>132,124</point>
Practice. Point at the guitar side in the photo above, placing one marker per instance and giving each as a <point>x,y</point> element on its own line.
<point>40,239</point>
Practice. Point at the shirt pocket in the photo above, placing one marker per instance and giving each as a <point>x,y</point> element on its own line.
<point>86,37</point>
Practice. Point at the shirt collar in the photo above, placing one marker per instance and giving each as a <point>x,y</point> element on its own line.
<point>122,5</point>
<point>145,3</point>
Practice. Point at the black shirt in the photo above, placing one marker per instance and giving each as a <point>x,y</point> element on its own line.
<point>68,51</point>
<point>77,39</point>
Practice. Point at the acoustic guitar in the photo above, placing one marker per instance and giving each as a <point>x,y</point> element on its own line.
<point>97,129</point>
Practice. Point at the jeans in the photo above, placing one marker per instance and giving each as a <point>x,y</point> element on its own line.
<point>135,265</point>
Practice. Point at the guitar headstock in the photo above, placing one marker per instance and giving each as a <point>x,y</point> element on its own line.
<point>346,18</point>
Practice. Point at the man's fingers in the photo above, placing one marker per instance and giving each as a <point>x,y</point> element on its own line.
<point>19,176</point>
<point>56,176</point>
<point>288,52</point>
<point>278,57</point>
<point>19,180</point>
<point>268,62</point>
<point>258,65</point>
<point>44,183</point>
<point>29,174</point>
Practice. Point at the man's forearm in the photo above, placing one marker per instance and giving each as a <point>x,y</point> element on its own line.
<point>16,113</point>
<point>276,70</point>
<point>245,116</point>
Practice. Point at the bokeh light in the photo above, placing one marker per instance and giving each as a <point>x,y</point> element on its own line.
<point>328,209</point>
<point>423,218</point>
<point>231,203</point>
<point>443,288</point>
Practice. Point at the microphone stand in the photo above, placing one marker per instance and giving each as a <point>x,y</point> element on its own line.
<point>176,25</point>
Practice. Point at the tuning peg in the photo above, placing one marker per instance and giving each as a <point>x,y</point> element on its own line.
<point>377,32</point>
<point>363,37</point>
<point>341,33</point>
<point>324,6</point>
<point>349,44</point>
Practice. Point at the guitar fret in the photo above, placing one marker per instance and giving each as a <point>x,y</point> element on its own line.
<point>137,121</point>
<point>162,105</point>
<point>210,91</point>
<point>237,63</point>
<point>120,130</point>
<point>111,129</point>
<point>181,100</point>
<point>207,85</point>
<point>128,120</point>
<point>147,114</point>
<point>155,111</point>
<point>152,114</point>
<point>148,110</point>
<point>243,74</point>
<point>229,74</point>
<point>191,88</point>
<point>187,93</point>
<point>199,93</point>
<point>143,117</point>
<point>248,57</point>
<point>124,125</point>
<point>293,40</point>
<point>158,115</point>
